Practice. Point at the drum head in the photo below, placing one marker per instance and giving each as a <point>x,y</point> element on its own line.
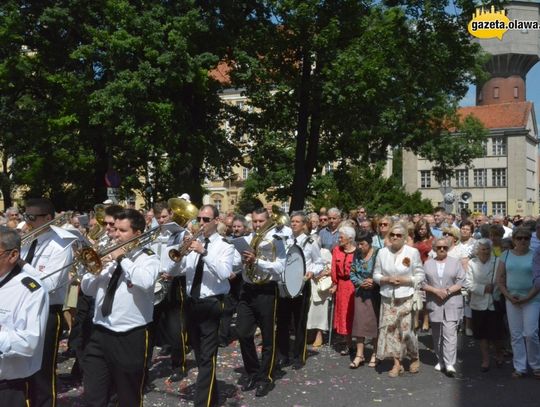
<point>295,269</point>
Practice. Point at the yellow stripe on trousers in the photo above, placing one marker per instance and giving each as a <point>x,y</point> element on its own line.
<point>141,389</point>
<point>271,369</point>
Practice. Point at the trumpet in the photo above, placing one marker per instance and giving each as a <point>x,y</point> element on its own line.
<point>59,221</point>
<point>177,255</point>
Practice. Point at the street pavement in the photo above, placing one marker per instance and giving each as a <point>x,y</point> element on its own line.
<point>326,380</point>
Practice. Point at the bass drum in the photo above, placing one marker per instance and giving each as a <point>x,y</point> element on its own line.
<point>292,281</point>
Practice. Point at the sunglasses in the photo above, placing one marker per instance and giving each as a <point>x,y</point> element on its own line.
<point>442,247</point>
<point>204,219</point>
<point>522,238</point>
<point>384,224</point>
<point>32,218</point>
<point>109,223</point>
<point>447,234</point>
<point>398,235</point>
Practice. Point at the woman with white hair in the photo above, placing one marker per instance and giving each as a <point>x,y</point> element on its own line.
<point>488,323</point>
<point>342,258</point>
<point>398,271</point>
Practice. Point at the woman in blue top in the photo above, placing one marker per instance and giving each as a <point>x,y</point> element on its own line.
<point>367,299</point>
<point>514,279</point>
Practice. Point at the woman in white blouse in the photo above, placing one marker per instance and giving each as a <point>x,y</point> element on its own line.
<point>488,325</point>
<point>398,270</point>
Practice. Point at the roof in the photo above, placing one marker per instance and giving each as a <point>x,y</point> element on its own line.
<point>500,116</point>
<point>221,73</point>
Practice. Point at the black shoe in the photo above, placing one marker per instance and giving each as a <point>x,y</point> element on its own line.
<point>165,351</point>
<point>176,377</point>
<point>263,388</point>
<point>284,362</point>
<point>250,384</point>
<point>68,354</point>
<point>297,364</point>
<point>148,387</point>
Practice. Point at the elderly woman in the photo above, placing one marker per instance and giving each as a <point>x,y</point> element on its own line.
<point>488,325</point>
<point>398,270</point>
<point>367,299</point>
<point>444,279</point>
<point>515,281</point>
<point>342,258</point>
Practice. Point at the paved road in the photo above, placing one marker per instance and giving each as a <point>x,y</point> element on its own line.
<point>326,380</point>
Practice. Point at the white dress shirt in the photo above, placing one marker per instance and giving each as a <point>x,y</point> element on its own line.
<point>271,247</point>
<point>23,318</point>
<point>52,253</point>
<point>389,264</point>
<point>133,303</point>
<point>217,267</point>
<point>478,276</point>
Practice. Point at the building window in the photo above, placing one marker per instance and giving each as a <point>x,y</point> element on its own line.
<point>328,169</point>
<point>217,204</point>
<point>498,177</point>
<point>285,207</point>
<point>495,93</point>
<point>516,92</point>
<point>499,208</point>
<point>245,173</point>
<point>480,178</point>
<point>425,179</point>
<point>478,207</point>
<point>446,183</point>
<point>498,146</point>
<point>462,178</point>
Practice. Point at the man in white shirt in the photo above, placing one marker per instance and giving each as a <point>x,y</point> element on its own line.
<point>208,267</point>
<point>48,253</point>
<point>23,319</point>
<point>298,307</point>
<point>263,267</point>
<point>117,353</point>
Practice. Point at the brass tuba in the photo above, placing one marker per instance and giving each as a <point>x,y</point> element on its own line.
<point>277,218</point>
<point>182,210</point>
<point>98,230</point>
<point>59,221</point>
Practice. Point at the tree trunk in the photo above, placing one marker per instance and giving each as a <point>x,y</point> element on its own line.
<point>300,182</point>
<point>6,183</point>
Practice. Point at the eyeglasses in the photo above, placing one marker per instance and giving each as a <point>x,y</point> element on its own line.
<point>441,247</point>
<point>398,235</point>
<point>6,251</point>
<point>109,223</point>
<point>204,219</point>
<point>384,224</point>
<point>30,217</point>
<point>522,238</point>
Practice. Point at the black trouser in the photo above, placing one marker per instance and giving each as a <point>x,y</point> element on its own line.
<point>293,308</point>
<point>14,393</point>
<point>230,303</point>
<point>43,382</point>
<point>170,324</point>
<point>115,361</point>
<point>203,316</point>
<point>81,330</point>
<point>257,307</point>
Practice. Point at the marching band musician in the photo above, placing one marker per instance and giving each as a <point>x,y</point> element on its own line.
<point>116,354</point>
<point>169,323</point>
<point>82,325</point>
<point>23,320</point>
<point>48,252</point>
<point>257,305</point>
<point>208,267</point>
<point>298,307</point>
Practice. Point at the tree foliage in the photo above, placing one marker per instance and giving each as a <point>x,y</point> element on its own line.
<point>343,81</point>
<point>110,84</point>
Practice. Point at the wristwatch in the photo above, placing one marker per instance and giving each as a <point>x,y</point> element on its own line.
<point>448,292</point>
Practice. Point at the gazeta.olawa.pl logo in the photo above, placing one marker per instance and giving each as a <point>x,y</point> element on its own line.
<point>495,23</point>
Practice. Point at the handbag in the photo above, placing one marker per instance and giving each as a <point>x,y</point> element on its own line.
<point>324,284</point>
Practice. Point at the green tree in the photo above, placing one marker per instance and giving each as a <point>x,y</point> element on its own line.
<point>343,81</point>
<point>112,84</point>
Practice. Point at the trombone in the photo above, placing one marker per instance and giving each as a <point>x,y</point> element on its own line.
<point>59,221</point>
<point>92,260</point>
